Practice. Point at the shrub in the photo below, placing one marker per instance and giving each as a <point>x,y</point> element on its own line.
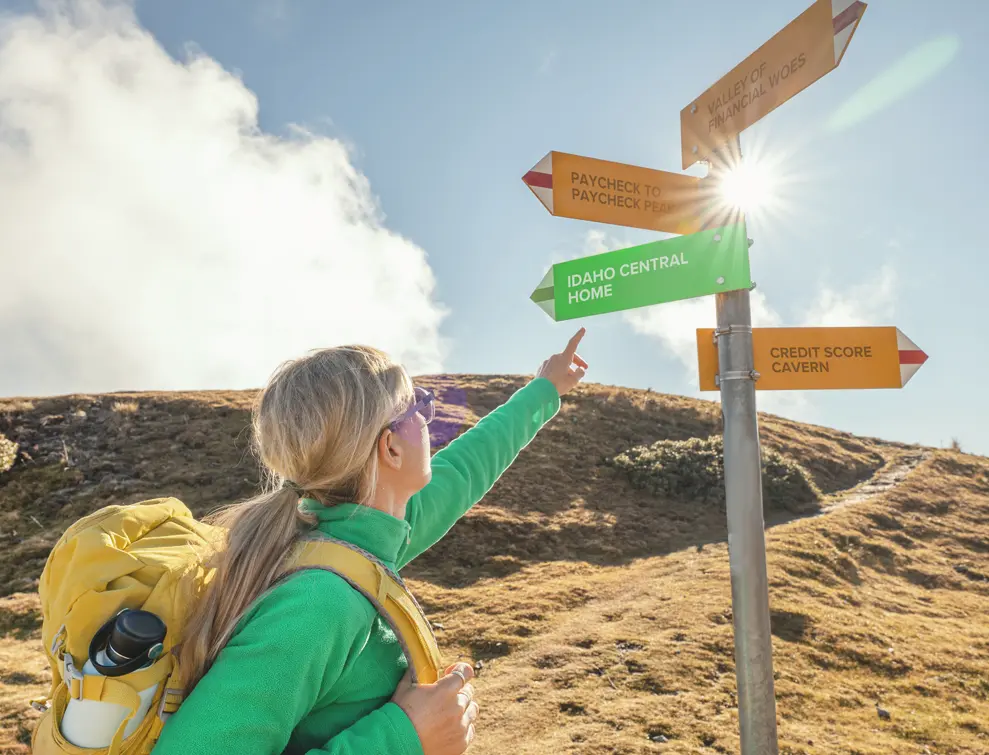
<point>694,470</point>
<point>8,453</point>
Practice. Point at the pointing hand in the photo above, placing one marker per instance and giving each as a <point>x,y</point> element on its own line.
<point>559,369</point>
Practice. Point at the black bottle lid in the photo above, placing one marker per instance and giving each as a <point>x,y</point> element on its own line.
<point>134,633</point>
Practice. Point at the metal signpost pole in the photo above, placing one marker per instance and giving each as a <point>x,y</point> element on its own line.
<point>746,535</point>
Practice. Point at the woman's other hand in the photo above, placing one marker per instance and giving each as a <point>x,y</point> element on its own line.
<point>443,713</point>
<point>559,369</point>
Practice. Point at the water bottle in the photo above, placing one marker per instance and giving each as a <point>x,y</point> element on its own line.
<point>128,642</point>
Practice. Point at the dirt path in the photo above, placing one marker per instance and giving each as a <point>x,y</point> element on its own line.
<point>889,476</point>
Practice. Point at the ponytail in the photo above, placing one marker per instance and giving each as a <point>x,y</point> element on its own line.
<point>260,533</point>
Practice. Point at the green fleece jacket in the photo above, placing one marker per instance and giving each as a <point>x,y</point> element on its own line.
<point>312,666</point>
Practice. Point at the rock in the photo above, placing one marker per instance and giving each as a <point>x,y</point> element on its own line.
<point>659,738</point>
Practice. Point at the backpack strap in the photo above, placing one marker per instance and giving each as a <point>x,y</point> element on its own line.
<point>385,590</point>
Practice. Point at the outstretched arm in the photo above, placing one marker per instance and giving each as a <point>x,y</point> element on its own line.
<point>464,471</point>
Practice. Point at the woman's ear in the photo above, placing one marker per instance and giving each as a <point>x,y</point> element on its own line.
<point>389,451</point>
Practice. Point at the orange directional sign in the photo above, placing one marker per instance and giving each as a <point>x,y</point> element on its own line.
<point>795,359</point>
<point>809,47</point>
<point>571,186</point>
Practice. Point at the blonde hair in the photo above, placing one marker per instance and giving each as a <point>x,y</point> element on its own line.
<point>316,424</point>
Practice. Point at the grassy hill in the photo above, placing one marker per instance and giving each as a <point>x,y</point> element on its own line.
<point>591,586</point>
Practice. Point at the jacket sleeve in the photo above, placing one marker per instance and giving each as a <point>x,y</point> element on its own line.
<point>272,672</point>
<point>470,465</point>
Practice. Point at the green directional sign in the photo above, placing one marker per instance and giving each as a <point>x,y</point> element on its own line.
<point>682,267</point>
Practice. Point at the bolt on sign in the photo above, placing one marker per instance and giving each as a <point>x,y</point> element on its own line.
<point>682,267</point>
<point>792,359</point>
<point>806,49</point>
<point>584,188</point>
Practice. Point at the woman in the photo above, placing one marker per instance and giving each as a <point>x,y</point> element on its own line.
<point>308,666</point>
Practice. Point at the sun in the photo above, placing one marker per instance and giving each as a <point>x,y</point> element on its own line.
<point>764,188</point>
<point>750,187</point>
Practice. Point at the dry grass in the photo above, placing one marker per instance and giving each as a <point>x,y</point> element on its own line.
<point>598,613</point>
<point>882,603</point>
<point>125,407</point>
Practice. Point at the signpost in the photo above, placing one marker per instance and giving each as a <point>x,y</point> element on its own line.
<point>806,49</point>
<point>713,259</point>
<point>792,359</point>
<point>682,267</point>
<point>571,186</point>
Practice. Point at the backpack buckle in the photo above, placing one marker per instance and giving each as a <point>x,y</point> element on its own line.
<point>169,691</point>
<point>72,674</point>
<point>58,641</point>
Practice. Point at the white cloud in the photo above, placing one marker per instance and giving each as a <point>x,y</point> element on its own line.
<point>153,237</point>
<point>675,324</point>
<point>598,242</point>
<point>870,302</point>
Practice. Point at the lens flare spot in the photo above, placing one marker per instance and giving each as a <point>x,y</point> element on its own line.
<point>749,187</point>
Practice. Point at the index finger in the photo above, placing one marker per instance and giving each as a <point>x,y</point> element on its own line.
<point>574,343</point>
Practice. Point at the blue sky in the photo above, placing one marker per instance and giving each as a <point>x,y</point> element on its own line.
<point>446,105</point>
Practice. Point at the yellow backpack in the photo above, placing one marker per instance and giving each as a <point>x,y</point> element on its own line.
<point>147,555</point>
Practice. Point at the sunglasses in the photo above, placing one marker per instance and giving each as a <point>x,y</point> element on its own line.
<point>424,405</point>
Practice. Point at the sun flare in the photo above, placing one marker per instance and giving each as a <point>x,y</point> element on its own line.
<point>750,187</point>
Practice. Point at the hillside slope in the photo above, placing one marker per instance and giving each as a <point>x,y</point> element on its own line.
<point>599,613</point>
